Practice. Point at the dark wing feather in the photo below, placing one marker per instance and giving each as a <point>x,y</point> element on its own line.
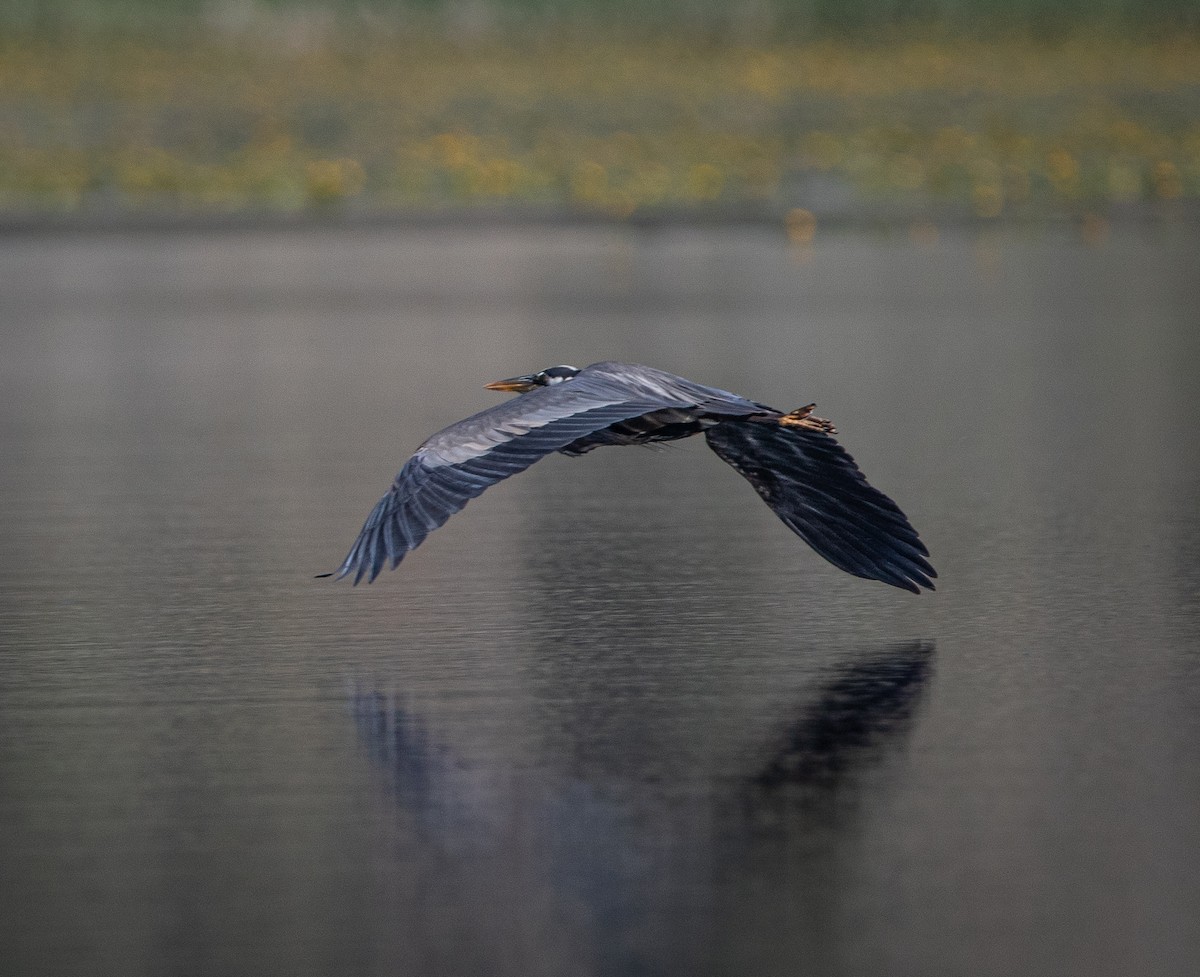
<point>814,486</point>
<point>459,463</point>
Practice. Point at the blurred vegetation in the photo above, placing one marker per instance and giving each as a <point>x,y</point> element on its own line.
<point>749,19</point>
<point>182,106</point>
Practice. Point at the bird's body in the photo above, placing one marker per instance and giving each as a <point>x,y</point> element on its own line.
<point>791,459</point>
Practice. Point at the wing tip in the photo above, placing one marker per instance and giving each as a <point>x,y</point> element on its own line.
<point>908,574</point>
<point>914,584</point>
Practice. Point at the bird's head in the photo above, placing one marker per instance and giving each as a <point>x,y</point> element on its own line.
<point>531,381</point>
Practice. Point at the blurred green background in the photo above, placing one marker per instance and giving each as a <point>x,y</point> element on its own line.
<point>769,107</point>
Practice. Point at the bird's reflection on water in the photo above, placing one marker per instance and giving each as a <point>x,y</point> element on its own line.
<point>862,710</point>
<point>625,863</point>
<point>861,705</point>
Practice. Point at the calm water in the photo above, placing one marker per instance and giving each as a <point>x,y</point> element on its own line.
<point>613,718</point>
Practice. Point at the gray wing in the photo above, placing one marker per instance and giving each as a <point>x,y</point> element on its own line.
<point>459,463</point>
<point>814,486</point>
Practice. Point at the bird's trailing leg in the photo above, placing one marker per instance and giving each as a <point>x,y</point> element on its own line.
<point>803,417</point>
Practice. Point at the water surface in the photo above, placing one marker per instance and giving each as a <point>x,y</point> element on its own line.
<point>613,718</point>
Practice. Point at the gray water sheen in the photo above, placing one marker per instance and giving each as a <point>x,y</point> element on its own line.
<point>613,718</point>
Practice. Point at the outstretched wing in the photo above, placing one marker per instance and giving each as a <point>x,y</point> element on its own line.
<point>459,463</point>
<point>815,487</point>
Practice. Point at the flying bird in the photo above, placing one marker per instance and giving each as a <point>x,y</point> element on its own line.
<point>791,459</point>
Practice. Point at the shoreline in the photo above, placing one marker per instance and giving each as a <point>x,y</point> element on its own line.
<point>883,218</point>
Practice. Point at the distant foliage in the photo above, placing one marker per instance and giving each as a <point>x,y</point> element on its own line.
<point>748,19</point>
<point>287,115</point>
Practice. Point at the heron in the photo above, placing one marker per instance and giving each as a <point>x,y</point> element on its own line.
<point>791,458</point>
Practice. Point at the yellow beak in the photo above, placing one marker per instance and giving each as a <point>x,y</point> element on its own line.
<point>515,385</point>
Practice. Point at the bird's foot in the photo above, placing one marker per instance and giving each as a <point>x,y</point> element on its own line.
<point>803,417</point>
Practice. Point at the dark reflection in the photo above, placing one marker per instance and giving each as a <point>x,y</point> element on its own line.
<point>422,770</point>
<point>860,710</point>
<point>636,872</point>
<point>861,706</point>
<point>811,778</point>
